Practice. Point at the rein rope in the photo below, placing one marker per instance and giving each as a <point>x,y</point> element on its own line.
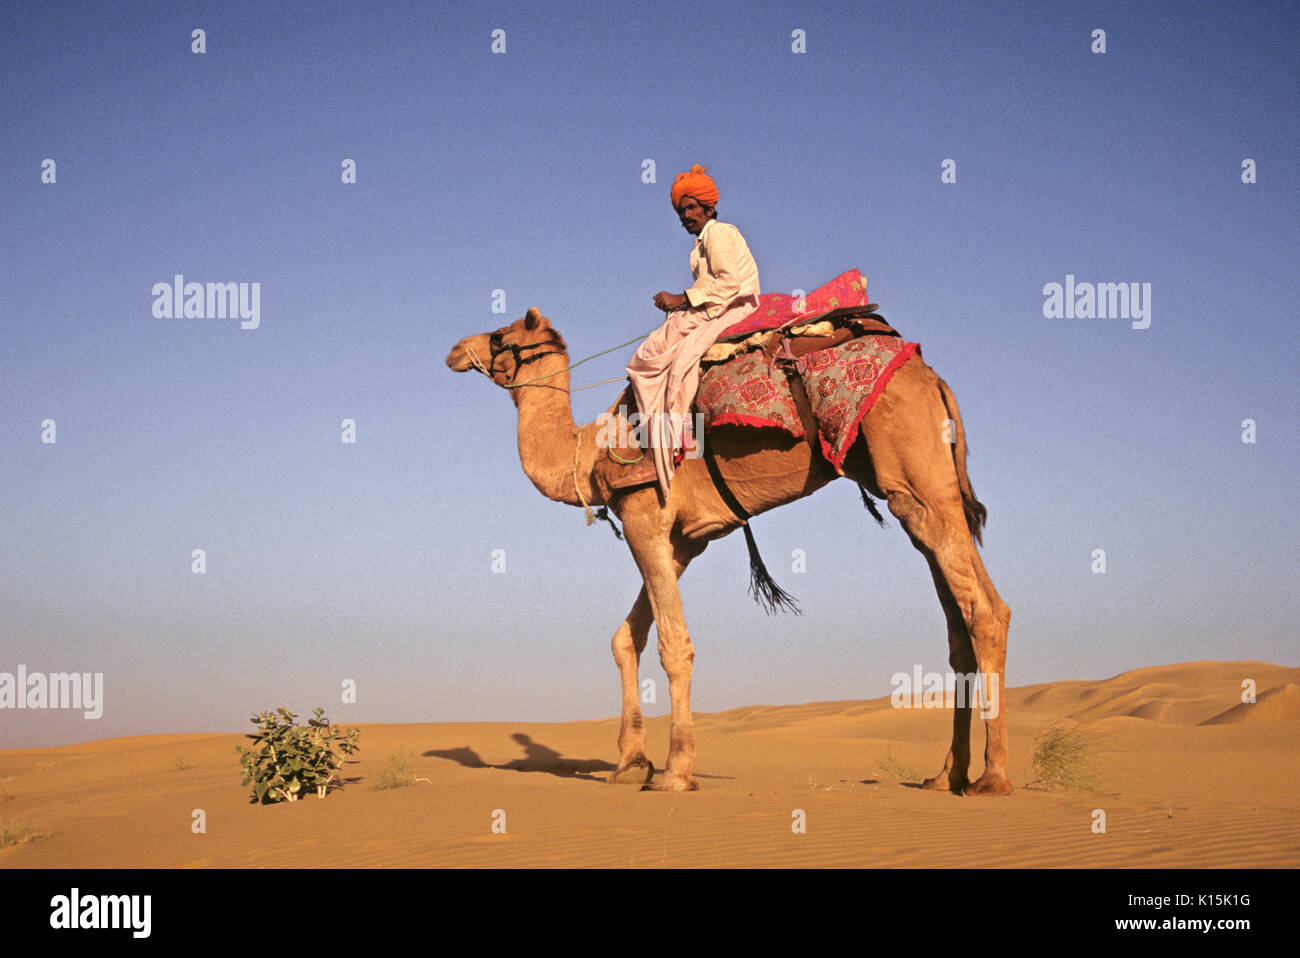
<point>516,350</point>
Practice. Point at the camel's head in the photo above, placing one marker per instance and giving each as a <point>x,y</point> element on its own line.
<point>503,355</point>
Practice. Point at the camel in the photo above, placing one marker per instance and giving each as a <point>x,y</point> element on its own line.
<point>903,457</point>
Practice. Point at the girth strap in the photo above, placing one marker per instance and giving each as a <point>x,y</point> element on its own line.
<point>720,484</point>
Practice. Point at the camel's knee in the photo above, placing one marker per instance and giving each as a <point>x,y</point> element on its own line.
<point>628,644</point>
<point>999,619</point>
<point>623,645</point>
<point>632,634</point>
<point>1003,613</point>
<point>991,619</point>
<point>677,657</point>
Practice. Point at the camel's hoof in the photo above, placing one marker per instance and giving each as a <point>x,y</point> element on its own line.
<point>671,782</point>
<point>637,772</point>
<point>943,782</point>
<point>989,784</point>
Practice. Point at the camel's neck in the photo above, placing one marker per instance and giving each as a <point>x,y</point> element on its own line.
<point>548,436</point>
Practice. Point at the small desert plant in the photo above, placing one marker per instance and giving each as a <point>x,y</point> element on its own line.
<point>293,757</point>
<point>1062,756</point>
<point>895,769</point>
<point>181,764</point>
<point>397,771</point>
<point>16,833</point>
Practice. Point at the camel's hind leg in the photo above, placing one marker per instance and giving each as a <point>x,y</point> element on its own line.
<point>629,642</point>
<point>913,468</point>
<point>937,527</point>
<point>954,776</point>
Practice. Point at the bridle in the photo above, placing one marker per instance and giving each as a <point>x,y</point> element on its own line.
<point>497,347</point>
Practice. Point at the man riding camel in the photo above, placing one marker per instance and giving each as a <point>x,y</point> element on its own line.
<point>665,370</point>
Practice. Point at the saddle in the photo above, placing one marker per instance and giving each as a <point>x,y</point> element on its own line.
<point>781,331</point>
<point>803,335</point>
<point>742,382</point>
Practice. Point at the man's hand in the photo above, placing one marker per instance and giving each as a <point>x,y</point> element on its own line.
<point>669,301</point>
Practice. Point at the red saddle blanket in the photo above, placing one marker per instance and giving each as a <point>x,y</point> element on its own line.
<point>779,309</point>
<point>842,384</point>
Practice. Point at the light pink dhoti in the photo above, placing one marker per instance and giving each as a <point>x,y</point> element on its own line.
<point>665,374</point>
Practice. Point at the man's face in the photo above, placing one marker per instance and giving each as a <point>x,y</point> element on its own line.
<point>693,215</point>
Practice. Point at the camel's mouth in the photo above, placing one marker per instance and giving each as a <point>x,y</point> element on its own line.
<point>460,359</point>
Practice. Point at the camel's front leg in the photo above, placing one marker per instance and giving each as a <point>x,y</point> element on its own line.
<point>660,568</point>
<point>677,655</point>
<point>629,642</point>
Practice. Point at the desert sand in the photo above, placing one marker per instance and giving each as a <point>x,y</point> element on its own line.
<point>1187,775</point>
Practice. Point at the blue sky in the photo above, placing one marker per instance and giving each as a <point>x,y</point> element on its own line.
<point>522,172</point>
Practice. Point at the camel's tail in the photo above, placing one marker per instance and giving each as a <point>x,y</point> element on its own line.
<point>976,514</point>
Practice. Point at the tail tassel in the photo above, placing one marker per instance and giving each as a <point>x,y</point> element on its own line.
<point>761,584</point>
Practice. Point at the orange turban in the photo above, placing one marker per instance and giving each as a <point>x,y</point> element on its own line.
<point>696,183</point>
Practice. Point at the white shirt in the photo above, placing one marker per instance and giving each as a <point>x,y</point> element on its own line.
<point>726,275</point>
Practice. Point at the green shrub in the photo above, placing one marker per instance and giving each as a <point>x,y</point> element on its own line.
<point>16,833</point>
<point>397,771</point>
<point>895,769</point>
<point>1063,756</point>
<point>288,759</point>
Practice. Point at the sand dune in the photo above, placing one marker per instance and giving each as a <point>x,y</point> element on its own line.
<point>1280,704</point>
<point>1188,775</point>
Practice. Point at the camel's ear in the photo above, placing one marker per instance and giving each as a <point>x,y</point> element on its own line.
<point>533,317</point>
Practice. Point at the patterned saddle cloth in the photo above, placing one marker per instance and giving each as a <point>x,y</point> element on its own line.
<point>832,340</point>
<point>841,358</point>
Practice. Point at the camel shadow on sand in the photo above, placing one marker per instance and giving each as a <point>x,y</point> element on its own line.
<point>537,758</point>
